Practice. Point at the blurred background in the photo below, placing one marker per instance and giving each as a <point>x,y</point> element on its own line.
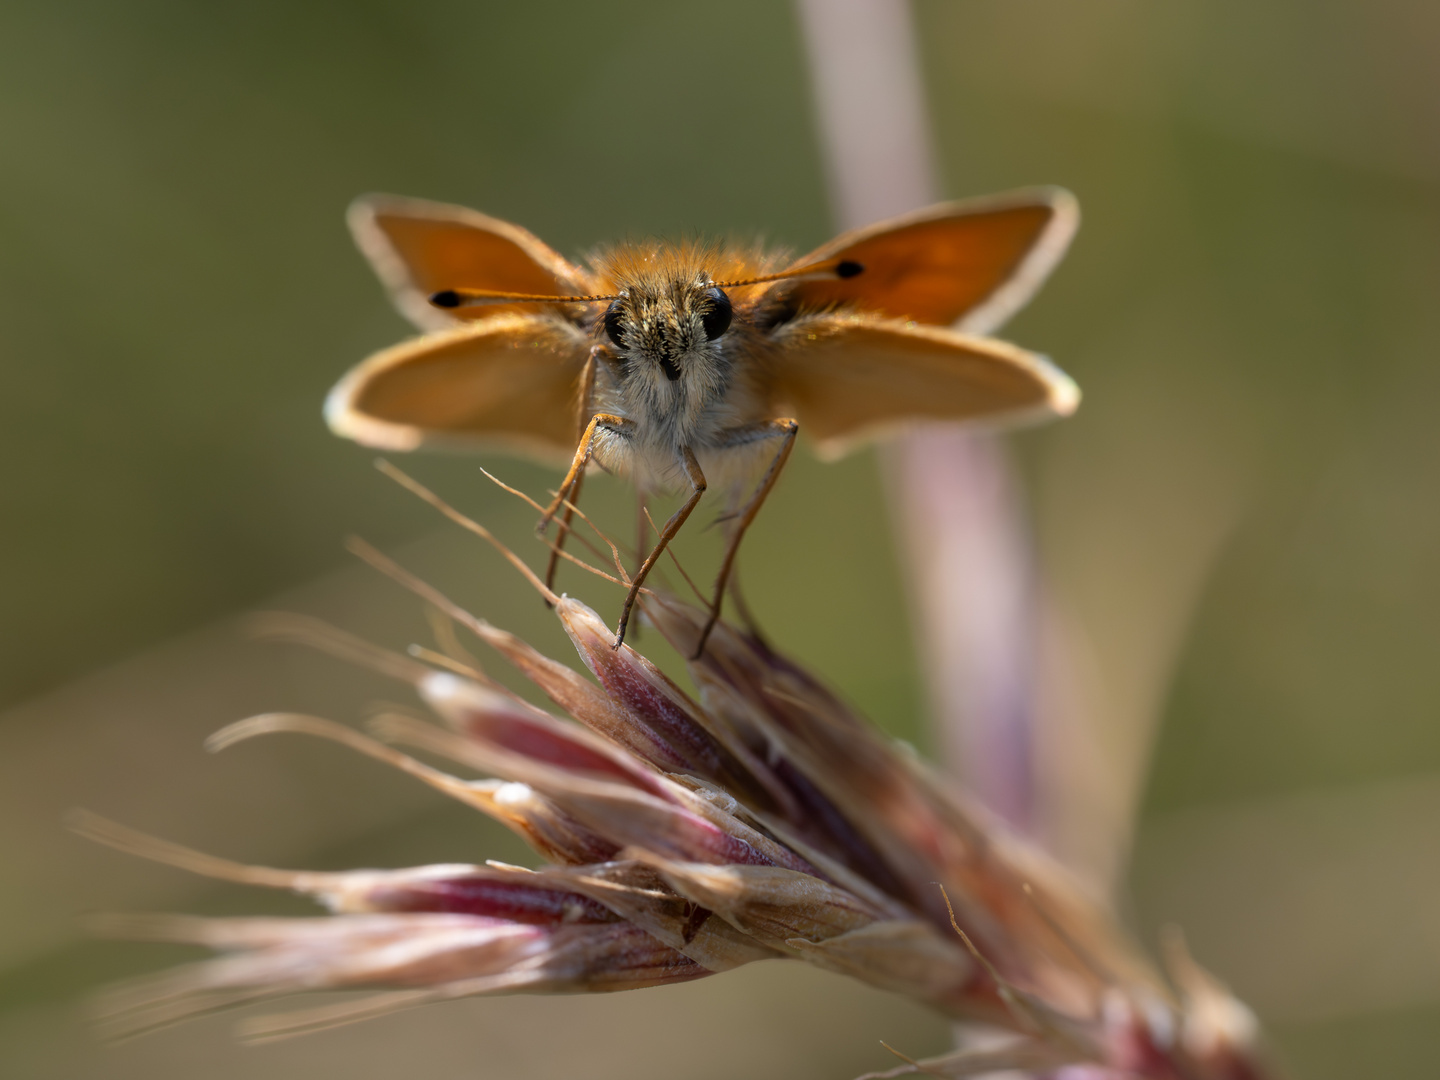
<point>1240,528</point>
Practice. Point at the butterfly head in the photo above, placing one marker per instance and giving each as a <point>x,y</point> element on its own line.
<point>662,329</point>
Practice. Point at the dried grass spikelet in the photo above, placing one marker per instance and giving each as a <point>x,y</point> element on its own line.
<point>682,839</point>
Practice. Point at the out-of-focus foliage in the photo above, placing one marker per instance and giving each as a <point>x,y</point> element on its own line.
<point>1249,309</point>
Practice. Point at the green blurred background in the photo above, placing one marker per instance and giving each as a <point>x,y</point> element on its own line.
<point>1241,524</point>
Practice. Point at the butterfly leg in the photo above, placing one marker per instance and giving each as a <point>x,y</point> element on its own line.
<point>583,412</point>
<point>785,430</point>
<point>667,533</point>
<point>600,422</point>
<point>564,533</point>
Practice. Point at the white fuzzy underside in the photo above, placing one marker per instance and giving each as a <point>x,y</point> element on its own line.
<point>668,416</point>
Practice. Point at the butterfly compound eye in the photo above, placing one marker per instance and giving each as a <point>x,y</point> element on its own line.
<point>718,314</point>
<point>613,330</point>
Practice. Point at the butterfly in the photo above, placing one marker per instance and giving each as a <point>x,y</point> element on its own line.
<point>694,365</point>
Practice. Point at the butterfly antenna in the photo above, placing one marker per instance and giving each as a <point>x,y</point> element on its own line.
<point>457,298</point>
<point>838,268</point>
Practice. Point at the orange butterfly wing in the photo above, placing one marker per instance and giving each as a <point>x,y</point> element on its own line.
<point>419,247</point>
<point>848,378</point>
<point>511,380</point>
<point>974,263</point>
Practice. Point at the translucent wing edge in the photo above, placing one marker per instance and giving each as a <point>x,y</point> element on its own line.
<point>839,446</point>
<point>996,309</point>
<point>394,274</point>
<point>1064,399</point>
<point>1015,292</point>
<point>1062,395</point>
<point>349,422</point>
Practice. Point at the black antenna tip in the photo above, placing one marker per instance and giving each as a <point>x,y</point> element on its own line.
<point>446,298</point>
<point>848,268</point>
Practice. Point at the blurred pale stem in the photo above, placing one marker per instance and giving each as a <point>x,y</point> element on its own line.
<point>952,495</point>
